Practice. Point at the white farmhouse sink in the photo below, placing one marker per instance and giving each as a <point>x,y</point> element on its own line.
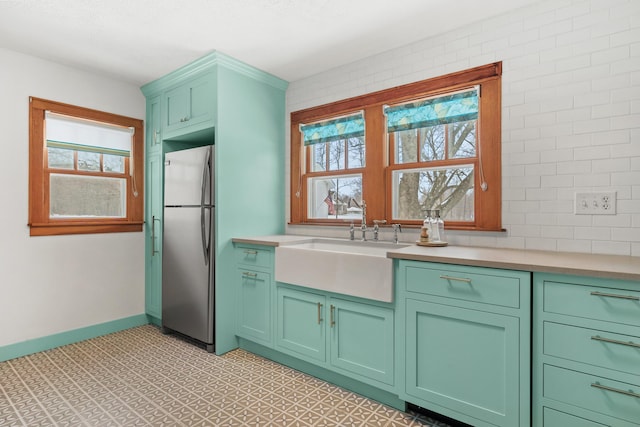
<point>348,267</point>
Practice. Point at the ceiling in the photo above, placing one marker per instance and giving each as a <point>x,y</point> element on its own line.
<point>141,40</point>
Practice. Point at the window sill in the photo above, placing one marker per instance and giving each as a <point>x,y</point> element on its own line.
<point>75,228</point>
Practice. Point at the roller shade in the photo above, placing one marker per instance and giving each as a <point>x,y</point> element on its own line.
<point>439,110</point>
<point>84,135</point>
<point>332,130</point>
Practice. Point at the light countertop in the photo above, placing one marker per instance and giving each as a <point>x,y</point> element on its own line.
<point>594,265</point>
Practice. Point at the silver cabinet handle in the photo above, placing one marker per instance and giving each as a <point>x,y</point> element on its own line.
<point>250,275</point>
<point>333,314</point>
<point>250,252</point>
<point>456,279</point>
<point>602,294</point>
<point>616,390</point>
<point>153,235</point>
<point>612,341</point>
<point>319,313</point>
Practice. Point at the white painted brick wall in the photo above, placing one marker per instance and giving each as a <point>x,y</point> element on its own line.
<point>571,116</point>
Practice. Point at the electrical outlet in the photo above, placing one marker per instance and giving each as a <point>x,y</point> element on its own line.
<point>595,203</point>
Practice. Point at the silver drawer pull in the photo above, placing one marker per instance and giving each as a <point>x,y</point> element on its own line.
<point>456,279</point>
<point>612,341</point>
<point>616,390</point>
<point>602,294</point>
<point>250,252</point>
<point>252,275</point>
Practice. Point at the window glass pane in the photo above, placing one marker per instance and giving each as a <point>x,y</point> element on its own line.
<point>60,158</point>
<point>88,161</point>
<point>335,197</point>
<point>87,196</point>
<point>462,139</point>
<point>356,152</point>
<point>113,163</point>
<point>448,189</point>
<point>432,143</point>
<point>336,154</point>
<point>318,157</point>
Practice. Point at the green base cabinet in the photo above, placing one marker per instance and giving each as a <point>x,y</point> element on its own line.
<point>586,361</point>
<point>300,324</point>
<point>466,341</point>
<point>254,282</point>
<point>351,337</point>
<point>362,339</point>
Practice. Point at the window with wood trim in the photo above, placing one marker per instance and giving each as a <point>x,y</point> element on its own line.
<point>85,170</point>
<point>432,144</point>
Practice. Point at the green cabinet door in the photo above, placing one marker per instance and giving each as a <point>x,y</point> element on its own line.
<point>191,104</point>
<point>153,131</point>
<point>153,232</point>
<point>254,308</point>
<point>301,324</point>
<point>464,360</point>
<point>362,340</point>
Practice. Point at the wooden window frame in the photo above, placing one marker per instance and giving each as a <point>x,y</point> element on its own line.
<point>376,175</point>
<point>39,221</point>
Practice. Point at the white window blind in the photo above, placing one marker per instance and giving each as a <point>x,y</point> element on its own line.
<point>86,135</point>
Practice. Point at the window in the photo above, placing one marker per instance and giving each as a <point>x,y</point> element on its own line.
<point>85,170</point>
<point>335,162</point>
<point>433,144</point>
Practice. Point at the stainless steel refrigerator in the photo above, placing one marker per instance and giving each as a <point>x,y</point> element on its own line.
<point>188,245</point>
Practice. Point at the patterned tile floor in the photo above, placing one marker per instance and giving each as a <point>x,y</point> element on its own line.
<point>140,377</point>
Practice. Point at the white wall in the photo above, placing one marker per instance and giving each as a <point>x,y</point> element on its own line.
<point>570,116</point>
<point>59,283</point>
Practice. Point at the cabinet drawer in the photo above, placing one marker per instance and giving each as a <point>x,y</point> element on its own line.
<point>465,283</point>
<point>609,305</point>
<point>599,348</point>
<point>553,418</point>
<point>254,256</point>
<point>612,398</point>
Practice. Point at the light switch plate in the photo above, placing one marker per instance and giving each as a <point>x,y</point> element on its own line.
<point>603,203</point>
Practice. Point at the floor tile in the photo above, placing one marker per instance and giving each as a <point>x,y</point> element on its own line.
<point>140,377</point>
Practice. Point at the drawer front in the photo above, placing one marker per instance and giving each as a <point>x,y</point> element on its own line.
<point>612,398</point>
<point>599,348</point>
<point>465,283</point>
<point>609,305</point>
<point>553,418</point>
<point>254,256</point>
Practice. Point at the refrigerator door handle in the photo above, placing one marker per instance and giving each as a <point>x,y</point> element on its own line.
<point>205,178</point>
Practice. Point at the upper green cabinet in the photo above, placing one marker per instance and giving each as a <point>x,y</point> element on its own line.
<point>219,100</point>
<point>189,106</point>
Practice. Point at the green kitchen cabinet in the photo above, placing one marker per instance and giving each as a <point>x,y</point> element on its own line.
<point>301,323</point>
<point>586,360</point>
<point>466,343</point>
<point>254,283</point>
<point>154,170</point>
<point>352,337</point>
<point>362,339</point>
<point>188,106</point>
<point>218,100</point>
